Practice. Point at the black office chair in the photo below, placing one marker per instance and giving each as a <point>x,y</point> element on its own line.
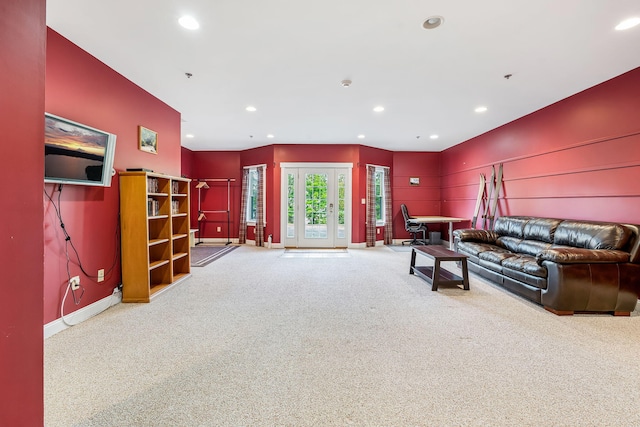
<point>414,228</point>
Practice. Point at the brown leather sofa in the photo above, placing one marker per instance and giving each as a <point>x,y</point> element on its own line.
<point>566,266</point>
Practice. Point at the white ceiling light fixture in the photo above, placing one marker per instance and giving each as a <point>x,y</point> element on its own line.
<point>628,23</point>
<point>434,136</point>
<point>189,22</point>
<point>251,108</point>
<point>378,109</point>
<point>433,22</point>
<point>361,136</point>
<point>189,135</point>
<point>270,136</point>
<point>481,109</point>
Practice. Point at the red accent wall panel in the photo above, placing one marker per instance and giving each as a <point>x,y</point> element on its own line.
<point>22,61</point>
<point>83,89</point>
<point>218,165</point>
<point>578,158</point>
<point>422,199</point>
<point>186,162</point>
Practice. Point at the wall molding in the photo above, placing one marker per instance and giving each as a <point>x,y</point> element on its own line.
<point>82,314</point>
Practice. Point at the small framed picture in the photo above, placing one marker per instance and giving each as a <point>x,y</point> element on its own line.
<point>414,181</point>
<point>148,140</point>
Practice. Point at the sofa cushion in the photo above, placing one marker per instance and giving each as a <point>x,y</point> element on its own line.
<point>496,257</point>
<point>590,235</point>
<point>475,235</point>
<point>528,279</point>
<point>525,264</point>
<point>508,243</point>
<point>475,248</point>
<point>532,247</point>
<point>541,229</point>
<point>512,226</point>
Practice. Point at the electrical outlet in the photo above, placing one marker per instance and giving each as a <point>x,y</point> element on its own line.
<point>377,230</point>
<point>101,275</point>
<point>219,229</point>
<point>74,282</point>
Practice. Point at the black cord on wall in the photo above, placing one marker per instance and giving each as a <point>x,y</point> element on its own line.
<point>69,242</point>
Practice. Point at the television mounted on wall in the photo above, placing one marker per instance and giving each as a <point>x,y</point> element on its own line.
<point>77,154</point>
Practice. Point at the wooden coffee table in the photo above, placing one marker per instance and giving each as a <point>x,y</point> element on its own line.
<point>436,275</point>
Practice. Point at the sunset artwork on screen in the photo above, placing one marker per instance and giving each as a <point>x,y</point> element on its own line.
<point>76,153</point>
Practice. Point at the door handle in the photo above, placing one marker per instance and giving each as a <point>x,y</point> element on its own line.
<point>330,208</point>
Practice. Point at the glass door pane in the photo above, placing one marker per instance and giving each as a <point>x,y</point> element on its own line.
<point>315,226</point>
<point>341,232</point>
<point>291,206</point>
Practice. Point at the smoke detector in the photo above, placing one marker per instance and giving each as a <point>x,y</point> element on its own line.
<point>346,83</point>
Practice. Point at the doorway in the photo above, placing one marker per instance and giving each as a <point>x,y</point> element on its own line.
<point>316,208</point>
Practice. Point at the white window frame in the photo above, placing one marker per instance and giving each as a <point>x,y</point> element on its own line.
<point>254,169</point>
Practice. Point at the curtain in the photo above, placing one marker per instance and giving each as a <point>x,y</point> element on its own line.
<point>242,235</point>
<point>388,210</point>
<point>371,206</point>
<point>260,208</point>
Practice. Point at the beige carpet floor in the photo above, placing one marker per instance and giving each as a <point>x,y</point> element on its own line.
<point>259,339</point>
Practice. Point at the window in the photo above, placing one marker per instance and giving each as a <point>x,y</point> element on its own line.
<point>252,195</point>
<point>379,196</point>
<point>252,202</point>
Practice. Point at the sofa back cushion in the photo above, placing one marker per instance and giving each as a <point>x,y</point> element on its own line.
<point>591,235</point>
<point>512,226</point>
<point>541,229</point>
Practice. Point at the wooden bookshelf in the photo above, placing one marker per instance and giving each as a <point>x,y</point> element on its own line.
<point>154,218</point>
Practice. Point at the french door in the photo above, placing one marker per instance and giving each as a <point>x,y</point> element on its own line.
<point>316,206</point>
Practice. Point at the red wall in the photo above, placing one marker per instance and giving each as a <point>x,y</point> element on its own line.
<point>186,162</point>
<point>219,165</point>
<point>223,164</point>
<point>578,158</point>
<point>83,89</point>
<point>423,199</point>
<point>22,66</point>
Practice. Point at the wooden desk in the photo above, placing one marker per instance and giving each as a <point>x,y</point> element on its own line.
<point>440,220</point>
<point>437,275</point>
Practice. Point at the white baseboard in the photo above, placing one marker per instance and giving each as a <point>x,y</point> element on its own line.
<point>215,240</point>
<point>82,314</point>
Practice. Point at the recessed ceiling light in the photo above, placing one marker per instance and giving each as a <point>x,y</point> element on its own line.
<point>189,135</point>
<point>270,136</point>
<point>251,108</point>
<point>481,109</point>
<point>628,23</point>
<point>433,22</point>
<point>378,109</point>
<point>189,22</point>
<point>434,136</point>
<point>361,136</point>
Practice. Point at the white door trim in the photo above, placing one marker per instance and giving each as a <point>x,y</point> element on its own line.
<point>323,165</point>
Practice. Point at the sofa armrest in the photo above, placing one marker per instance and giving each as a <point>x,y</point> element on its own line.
<point>581,256</point>
<point>473,235</point>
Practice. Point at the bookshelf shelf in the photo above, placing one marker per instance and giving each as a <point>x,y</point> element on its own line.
<point>154,210</point>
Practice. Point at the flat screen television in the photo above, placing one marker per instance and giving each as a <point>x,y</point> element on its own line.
<point>77,154</point>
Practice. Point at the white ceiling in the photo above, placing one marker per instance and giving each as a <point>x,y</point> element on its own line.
<point>288,57</point>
